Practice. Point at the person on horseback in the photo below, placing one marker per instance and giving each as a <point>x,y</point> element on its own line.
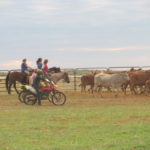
<point>39,63</point>
<point>45,68</point>
<point>25,70</point>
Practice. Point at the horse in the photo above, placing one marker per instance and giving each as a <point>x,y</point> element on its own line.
<point>54,70</point>
<point>55,77</point>
<point>13,77</point>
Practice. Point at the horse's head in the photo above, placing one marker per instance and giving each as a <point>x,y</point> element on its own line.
<point>66,77</point>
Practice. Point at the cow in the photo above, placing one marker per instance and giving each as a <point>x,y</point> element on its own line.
<point>113,81</point>
<point>86,80</point>
<point>138,78</point>
<point>124,86</point>
<point>147,87</point>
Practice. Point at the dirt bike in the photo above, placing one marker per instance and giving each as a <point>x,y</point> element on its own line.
<point>29,95</point>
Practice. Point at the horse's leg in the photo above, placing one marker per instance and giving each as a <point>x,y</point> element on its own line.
<point>16,88</point>
<point>9,88</point>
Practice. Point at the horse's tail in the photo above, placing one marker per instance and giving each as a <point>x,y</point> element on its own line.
<point>7,81</point>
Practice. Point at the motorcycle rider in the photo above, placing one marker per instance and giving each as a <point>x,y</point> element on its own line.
<point>37,83</point>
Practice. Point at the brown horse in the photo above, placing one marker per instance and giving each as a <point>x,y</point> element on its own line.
<point>12,78</point>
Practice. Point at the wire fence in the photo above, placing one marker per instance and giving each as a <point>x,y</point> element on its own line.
<point>74,75</point>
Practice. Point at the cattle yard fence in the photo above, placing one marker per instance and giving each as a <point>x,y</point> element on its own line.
<point>74,75</point>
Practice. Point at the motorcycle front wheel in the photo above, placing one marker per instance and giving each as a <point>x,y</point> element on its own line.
<point>58,98</point>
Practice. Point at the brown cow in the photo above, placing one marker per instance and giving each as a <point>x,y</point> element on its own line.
<point>147,87</point>
<point>138,78</point>
<point>87,79</point>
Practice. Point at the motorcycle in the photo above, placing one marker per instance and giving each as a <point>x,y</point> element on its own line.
<point>29,95</point>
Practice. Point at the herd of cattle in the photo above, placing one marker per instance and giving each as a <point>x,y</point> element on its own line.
<point>138,81</point>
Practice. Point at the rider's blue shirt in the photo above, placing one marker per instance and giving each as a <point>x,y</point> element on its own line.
<point>39,66</point>
<point>24,67</point>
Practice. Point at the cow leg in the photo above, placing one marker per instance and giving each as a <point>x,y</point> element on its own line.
<point>100,91</point>
<point>123,89</point>
<point>83,88</point>
<point>116,92</point>
<point>141,90</point>
<point>138,90</point>
<point>132,88</point>
<point>92,86</point>
<point>109,89</point>
<point>90,89</point>
<point>147,90</point>
<point>99,88</point>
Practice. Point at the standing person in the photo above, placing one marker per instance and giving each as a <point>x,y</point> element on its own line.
<point>45,68</point>
<point>39,63</point>
<point>25,70</point>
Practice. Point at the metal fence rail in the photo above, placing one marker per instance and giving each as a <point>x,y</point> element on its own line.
<point>74,75</point>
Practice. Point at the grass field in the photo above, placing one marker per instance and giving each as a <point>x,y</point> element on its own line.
<point>85,122</point>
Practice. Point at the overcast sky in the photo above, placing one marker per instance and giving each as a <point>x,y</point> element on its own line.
<point>75,33</point>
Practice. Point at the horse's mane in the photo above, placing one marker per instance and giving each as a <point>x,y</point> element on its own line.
<point>54,69</point>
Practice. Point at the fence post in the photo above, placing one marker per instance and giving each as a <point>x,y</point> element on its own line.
<point>75,80</point>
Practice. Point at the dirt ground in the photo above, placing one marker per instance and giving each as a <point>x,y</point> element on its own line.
<point>75,99</point>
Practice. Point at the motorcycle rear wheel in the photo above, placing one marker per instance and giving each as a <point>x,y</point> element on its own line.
<point>21,95</point>
<point>29,98</point>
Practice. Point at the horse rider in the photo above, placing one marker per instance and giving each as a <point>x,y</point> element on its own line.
<point>39,63</point>
<point>45,68</point>
<point>25,70</point>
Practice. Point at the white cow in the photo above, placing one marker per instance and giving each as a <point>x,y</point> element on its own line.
<point>113,81</point>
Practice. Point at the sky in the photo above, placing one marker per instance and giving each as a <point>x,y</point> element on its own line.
<point>75,33</point>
